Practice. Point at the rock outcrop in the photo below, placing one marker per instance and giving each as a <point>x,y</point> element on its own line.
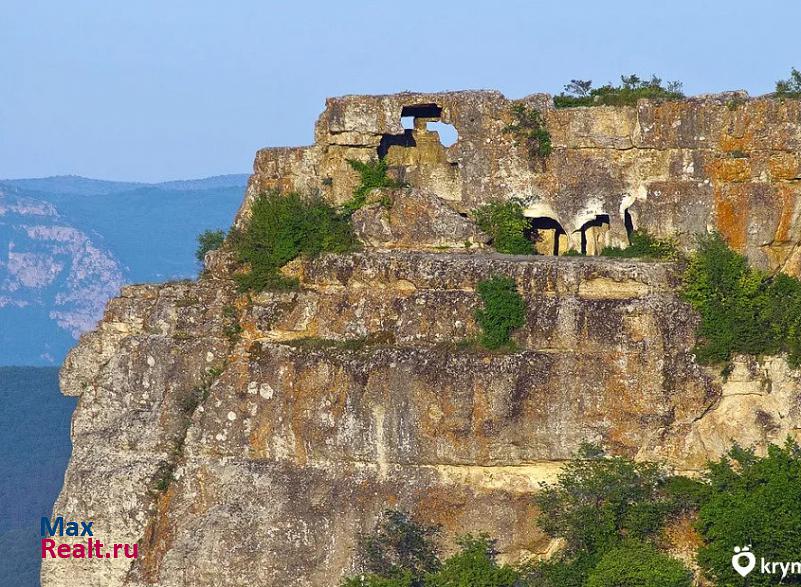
<point>249,439</point>
<point>674,169</point>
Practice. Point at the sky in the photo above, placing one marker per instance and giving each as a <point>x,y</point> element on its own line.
<point>154,90</point>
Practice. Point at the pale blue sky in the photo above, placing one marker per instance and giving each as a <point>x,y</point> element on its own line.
<point>164,89</point>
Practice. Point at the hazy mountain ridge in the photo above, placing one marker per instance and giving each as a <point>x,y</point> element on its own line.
<point>68,243</point>
<point>78,185</point>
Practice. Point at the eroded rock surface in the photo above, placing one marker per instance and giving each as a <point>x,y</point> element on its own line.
<point>249,439</point>
<point>414,219</point>
<point>676,168</point>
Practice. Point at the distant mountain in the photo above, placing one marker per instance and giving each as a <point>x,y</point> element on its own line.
<point>68,243</point>
<point>84,186</point>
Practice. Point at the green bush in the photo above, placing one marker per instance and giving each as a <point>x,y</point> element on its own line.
<point>791,87</point>
<point>372,175</point>
<point>638,564</point>
<point>475,565</point>
<point>644,246</point>
<point>369,580</point>
<point>602,505</point>
<point>281,228</point>
<point>401,553</point>
<point>503,311</point>
<point>742,310</point>
<point>208,240</point>
<point>400,548</point>
<point>505,224</point>
<point>632,88</point>
<point>600,500</point>
<point>529,127</point>
<point>752,501</point>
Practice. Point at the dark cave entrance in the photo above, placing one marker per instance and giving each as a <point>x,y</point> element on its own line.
<point>547,234</point>
<point>593,234</point>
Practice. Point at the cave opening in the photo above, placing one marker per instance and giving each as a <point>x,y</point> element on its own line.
<point>628,222</point>
<point>547,234</point>
<point>593,234</point>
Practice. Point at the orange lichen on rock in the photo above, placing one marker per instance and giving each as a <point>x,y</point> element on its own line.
<point>729,170</point>
<point>731,143</point>
<point>731,214</point>
<point>784,166</point>
<point>158,537</point>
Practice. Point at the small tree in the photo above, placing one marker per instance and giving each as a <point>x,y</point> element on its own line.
<point>752,501</point>
<point>791,87</point>
<point>600,500</point>
<point>282,227</point>
<point>400,551</point>
<point>208,240</point>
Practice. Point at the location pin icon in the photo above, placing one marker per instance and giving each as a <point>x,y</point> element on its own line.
<point>743,561</point>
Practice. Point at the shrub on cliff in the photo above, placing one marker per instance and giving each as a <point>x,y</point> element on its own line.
<point>407,557</point>
<point>638,564</point>
<point>752,501</point>
<point>281,228</point>
<point>644,246</point>
<point>600,500</point>
<point>632,88</point>
<point>600,504</point>
<point>742,310</point>
<point>372,175</point>
<point>208,240</point>
<point>503,310</point>
<point>507,227</point>
<point>400,548</point>
<point>791,87</point>
<point>529,128</point>
<point>475,565</point>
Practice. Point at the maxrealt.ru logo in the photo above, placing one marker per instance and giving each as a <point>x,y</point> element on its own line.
<point>744,561</point>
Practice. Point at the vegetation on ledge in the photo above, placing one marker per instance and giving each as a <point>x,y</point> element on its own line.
<point>743,310</point>
<point>283,227</point>
<point>208,240</point>
<point>644,246</point>
<point>632,88</point>
<point>372,175</point>
<point>503,311</point>
<point>507,227</point>
<point>529,128</point>
<point>791,87</point>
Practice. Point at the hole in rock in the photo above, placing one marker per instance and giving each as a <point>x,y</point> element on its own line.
<point>447,132</point>
<point>593,235</point>
<point>387,141</point>
<point>628,222</point>
<point>548,236</point>
<point>421,111</point>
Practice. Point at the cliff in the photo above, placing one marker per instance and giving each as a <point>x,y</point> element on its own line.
<point>249,439</point>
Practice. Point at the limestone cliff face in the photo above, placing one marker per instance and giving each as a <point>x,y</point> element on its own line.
<point>249,439</point>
